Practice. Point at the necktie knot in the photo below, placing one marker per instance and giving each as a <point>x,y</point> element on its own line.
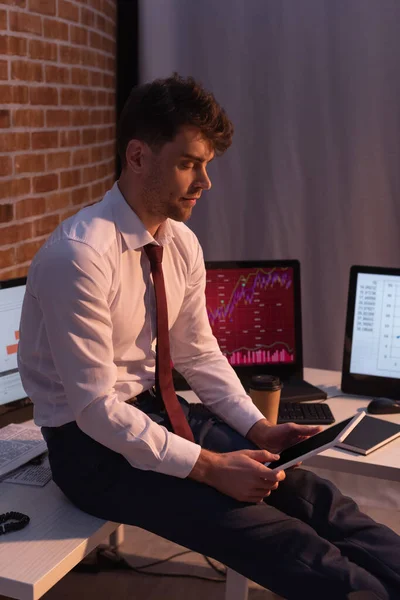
<point>154,253</point>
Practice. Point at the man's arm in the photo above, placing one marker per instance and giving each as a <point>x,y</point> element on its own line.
<point>71,282</point>
<point>196,354</point>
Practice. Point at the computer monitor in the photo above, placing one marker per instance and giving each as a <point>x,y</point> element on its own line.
<point>254,309</point>
<point>371,356</point>
<point>12,393</point>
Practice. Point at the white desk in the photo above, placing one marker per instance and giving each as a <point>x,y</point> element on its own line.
<point>59,535</point>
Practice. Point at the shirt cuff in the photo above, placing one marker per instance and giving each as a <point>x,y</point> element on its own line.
<point>241,415</point>
<point>180,457</point>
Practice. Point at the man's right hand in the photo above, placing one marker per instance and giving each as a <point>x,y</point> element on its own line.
<point>241,475</point>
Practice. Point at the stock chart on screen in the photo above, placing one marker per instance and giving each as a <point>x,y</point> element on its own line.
<point>251,311</point>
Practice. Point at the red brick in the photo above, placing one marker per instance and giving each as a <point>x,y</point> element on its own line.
<point>70,178</point>
<point>3,69</point>
<point>43,50</point>
<point>70,96</point>
<point>89,174</point>
<point>25,117</point>
<point>89,136</point>
<point>3,20</point>
<point>10,142</point>
<point>79,76</point>
<point>89,58</point>
<point>7,258</point>
<point>68,11</point>
<point>109,9</point>
<point>43,95</point>
<point>15,187</point>
<point>98,153</point>
<point>88,17</point>
<point>96,79</point>
<point>58,160</point>
<point>6,213</point>
<point>14,94</point>
<point>71,55</point>
<point>81,157</point>
<point>29,163</point>
<point>80,195</point>
<point>96,117</point>
<point>100,61</point>
<point>27,251</point>
<point>109,82</point>
<point>20,3</point>
<point>58,118</point>
<point>70,138</point>
<point>45,225</point>
<point>44,139</point>
<point>13,45</point>
<point>45,7</point>
<point>110,63</point>
<point>26,71</point>
<point>25,22</point>
<point>15,233</point>
<point>88,97</point>
<point>78,35</point>
<point>45,183</point>
<point>55,30</point>
<point>5,120</point>
<point>97,190</point>
<point>5,166</point>
<point>54,74</point>
<point>102,98</point>
<point>58,200</point>
<point>105,26</point>
<point>30,207</point>
<point>80,117</point>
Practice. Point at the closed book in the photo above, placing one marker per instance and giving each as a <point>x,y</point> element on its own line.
<point>370,434</point>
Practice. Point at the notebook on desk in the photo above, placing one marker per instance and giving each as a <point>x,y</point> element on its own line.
<point>254,310</point>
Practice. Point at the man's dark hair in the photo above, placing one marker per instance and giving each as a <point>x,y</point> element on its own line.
<point>155,111</point>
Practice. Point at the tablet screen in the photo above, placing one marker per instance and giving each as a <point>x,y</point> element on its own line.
<point>312,443</point>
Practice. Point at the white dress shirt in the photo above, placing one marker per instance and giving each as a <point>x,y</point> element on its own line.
<point>87,334</point>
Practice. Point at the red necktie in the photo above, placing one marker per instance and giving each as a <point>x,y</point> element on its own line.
<point>164,383</point>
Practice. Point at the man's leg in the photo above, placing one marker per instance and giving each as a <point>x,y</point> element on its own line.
<point>259,541</point>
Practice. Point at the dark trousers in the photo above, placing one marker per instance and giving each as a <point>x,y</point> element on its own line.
<point>306,540</point>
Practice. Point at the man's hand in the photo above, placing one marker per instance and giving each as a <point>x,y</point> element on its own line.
<point>241,475</point>
<point>276,438</point>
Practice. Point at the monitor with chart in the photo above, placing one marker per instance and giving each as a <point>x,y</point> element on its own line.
<point>254,309</point>
<point>371,357</point>
<point>11,297</point>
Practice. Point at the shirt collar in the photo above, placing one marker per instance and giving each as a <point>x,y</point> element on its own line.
<point>131,227</point>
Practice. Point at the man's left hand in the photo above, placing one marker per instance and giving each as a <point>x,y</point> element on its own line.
<point>276,438</point>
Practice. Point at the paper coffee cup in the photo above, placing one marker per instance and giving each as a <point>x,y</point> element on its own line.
<point>265,391</point>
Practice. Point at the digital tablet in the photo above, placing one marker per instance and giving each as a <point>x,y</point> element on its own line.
<point>315,444</point>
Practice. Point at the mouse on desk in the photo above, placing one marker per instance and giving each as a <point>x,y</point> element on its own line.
<point>383,406</point>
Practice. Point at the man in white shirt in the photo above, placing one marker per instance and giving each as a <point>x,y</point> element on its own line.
<point>87,360</point>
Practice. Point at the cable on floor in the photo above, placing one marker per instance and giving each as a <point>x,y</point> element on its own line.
<point>107,559</point>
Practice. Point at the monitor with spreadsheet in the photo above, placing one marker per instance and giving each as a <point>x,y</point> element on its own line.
<point>371,357</point>
<point>11,296</point>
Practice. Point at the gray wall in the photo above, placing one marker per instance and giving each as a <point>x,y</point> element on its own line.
<point>313,89</point>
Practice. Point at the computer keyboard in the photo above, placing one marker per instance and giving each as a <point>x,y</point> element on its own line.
<point>307,413</point>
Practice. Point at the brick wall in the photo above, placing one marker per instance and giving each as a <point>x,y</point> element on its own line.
<point>57,118</point>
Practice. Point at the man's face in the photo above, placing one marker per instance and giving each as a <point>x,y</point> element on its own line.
<point>176,175</point>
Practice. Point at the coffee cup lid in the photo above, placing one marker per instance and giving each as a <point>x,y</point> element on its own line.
<point>266,382</point>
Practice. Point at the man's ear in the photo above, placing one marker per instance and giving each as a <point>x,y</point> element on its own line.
<point>135,155</point>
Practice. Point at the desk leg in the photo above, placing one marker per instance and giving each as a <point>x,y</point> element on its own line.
<point>117,538</point>
<point>237,586</point>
